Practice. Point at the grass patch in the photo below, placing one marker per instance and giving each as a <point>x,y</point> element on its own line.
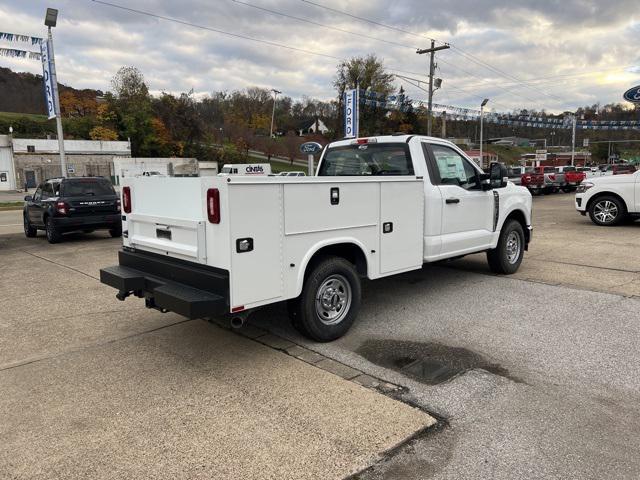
<point>30,116</point>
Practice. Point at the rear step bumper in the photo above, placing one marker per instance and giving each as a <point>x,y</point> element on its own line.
<point>168,284</point>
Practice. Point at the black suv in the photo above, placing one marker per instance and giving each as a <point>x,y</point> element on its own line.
<point>62,205</point>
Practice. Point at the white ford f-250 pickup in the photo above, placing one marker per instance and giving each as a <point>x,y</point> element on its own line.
<point>378,206</point>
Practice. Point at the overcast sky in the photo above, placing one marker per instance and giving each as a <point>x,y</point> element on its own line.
<point>569,52</point>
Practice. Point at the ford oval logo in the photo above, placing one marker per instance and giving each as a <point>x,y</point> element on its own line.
<point>632,95</point>
<point>310,147</point>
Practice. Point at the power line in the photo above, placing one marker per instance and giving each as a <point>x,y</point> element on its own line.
<point>373,22</point>
<point>216,30</point>
<point>231,34</point>
<point>459,50</point>
<point>330,27</point>
<point>286,15</point>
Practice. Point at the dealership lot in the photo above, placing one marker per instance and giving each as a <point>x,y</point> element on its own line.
<point>95,387</point>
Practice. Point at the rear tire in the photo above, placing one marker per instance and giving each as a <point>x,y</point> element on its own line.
<point>115,232</point>
<point>29,230</point>
<point>53,234</point>
<point>329,302</point>
<point>507,256</point>
<point>607,211</point>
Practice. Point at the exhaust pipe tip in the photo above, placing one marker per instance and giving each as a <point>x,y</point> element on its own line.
<point>237,322</point>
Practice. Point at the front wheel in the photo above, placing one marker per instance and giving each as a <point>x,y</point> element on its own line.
<point>507,256</point>
<point>606,211</point>
<point>329,302</point>
<point>29,230</point>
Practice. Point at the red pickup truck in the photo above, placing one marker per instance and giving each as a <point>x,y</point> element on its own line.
<point>570,178</point>
<point>540,180</point>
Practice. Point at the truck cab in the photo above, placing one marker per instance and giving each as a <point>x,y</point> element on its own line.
<point>377,206</point>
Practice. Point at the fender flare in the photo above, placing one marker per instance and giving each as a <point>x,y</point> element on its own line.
<point>311,253</point>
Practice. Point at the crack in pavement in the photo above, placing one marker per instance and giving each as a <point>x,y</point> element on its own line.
<point>88,346</point>
<point>59,264</point>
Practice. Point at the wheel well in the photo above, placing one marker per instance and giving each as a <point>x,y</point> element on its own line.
<point>518,215</point>
<point>349,251</point>
<point>606,194</point>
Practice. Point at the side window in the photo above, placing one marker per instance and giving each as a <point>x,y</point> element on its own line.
<point>56,189</point>
<point>47,191</point>
<point>454,169</point>
<point>38,195</point>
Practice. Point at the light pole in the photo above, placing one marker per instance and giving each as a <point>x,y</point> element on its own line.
<point>50,20</point>
<point>273,112</point>
<point>484,102</point>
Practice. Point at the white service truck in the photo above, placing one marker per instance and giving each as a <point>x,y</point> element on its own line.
<point>246,169</point>
<point>377,207</point>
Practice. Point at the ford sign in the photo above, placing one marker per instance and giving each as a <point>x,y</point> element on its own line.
<point>632,95</point>
<point>310,148</point>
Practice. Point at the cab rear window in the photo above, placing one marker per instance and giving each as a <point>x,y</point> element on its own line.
<point>367,159</point>
<point>87,187</point>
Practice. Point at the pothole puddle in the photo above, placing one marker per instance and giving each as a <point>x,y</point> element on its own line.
<point>431,363</point>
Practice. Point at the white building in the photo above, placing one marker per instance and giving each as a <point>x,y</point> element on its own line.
<point>35,160</point>
<point>7,168</point>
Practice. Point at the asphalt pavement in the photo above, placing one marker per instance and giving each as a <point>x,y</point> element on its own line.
<point>95,388</point>
<point>533,376</point>
<point>546,362</point>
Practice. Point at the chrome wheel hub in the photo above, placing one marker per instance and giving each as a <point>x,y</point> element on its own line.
<point>333,300</point>
<point>605,211</point>
<point>513,247</point>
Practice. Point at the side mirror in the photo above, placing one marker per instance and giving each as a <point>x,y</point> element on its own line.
<point>28,198</point>
<point>498,175</point>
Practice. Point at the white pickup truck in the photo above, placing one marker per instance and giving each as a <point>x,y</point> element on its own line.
<point>378,206</point>
<point>609,199</point>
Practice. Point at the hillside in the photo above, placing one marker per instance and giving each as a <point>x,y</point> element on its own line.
<point>22,92</point>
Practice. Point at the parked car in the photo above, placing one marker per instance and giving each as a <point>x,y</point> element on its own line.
<point>61,205</point>
<point>378,207</point>
<point>589,172</point>
<point>570,177</point>
<point>609,200</point>
<point>618,169</point>
<point>541,180</point>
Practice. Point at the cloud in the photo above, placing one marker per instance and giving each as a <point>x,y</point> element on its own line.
<point>569,52</point>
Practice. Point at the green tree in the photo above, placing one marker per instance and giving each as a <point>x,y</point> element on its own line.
<point>366,73</point>
<point>131,101</point>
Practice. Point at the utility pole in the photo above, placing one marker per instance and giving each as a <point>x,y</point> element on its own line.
<point>50,20</point>
<point>484,102</point>
<point>432,67</point>
<point>273,112</point>
<point>573,140</point>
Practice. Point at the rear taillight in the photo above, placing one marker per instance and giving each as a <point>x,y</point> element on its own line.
<point>213,205</point>
<point>126,199</point>
<point>118,207</point>
<point>62,208</point>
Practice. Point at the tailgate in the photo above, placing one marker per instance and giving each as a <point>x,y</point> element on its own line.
<point>168,216</point>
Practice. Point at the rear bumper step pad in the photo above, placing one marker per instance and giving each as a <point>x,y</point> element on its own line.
<point>164,294</point>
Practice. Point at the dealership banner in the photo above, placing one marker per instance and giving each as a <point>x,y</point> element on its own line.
<point>47,79</point>
<point>453,113</point>
<point>351,113</point>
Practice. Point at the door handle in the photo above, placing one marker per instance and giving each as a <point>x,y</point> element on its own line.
<point>452,200</point>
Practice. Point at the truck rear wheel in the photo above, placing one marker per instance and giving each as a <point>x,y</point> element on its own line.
<point>507,256</point>
<point>329,302</point>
